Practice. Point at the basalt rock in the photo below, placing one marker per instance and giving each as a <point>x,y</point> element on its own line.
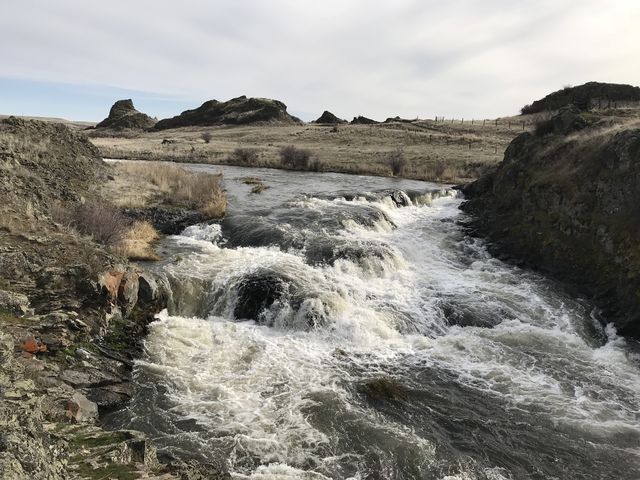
<point>329,118</point>
<point>360,120</point>
<point>586,96</point>
<point>568,205</point>
<point>123,115</point>
<point>237,111</point>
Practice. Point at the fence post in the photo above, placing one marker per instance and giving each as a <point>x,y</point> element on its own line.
<point>496,149</point>
<point>509,124</point>
<point>496,123</point>
<point>484,122</point>
<point>523,125</point>
<point>462,122</point>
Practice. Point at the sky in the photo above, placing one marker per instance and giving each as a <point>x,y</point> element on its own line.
<point>413,58</point>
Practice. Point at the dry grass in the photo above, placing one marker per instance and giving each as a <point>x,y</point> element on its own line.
<point>104,223</point>
<point>138,241</point>
<point>360,149</point>
<point>200,191</point>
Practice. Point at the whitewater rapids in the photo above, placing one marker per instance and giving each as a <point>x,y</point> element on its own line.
<point>345,327</point>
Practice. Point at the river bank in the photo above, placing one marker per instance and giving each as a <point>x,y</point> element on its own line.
<point>73,310</point>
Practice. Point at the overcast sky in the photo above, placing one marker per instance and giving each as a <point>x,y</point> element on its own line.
<point>481,59</point>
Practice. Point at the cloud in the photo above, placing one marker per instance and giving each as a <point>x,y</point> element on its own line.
<point>371,57</point>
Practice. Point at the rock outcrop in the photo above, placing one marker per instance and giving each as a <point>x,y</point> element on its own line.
<point>72,316</point>
<point>237,111</point>
<point>328,118</point>
<point>360,120</point>
<point>123,115</point>
<point>589,95</point>
<point>565,200</point>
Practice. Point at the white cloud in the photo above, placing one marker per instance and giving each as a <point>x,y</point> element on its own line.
<point>376,58</point>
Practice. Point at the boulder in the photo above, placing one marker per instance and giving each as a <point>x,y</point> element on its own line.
<point>15,303</point>
<point>80,409</point>
<point>123,115</point>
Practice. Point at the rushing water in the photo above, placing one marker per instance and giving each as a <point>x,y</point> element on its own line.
<point>324,331</point>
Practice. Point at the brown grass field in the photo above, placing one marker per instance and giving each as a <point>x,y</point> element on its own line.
<point>443,151</point>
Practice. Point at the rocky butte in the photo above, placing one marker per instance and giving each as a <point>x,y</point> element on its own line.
<point>237,111</point>
<point>123,115</point>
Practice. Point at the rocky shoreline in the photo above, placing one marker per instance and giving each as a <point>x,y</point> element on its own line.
<point>73,316</point>
<point>565,201</point>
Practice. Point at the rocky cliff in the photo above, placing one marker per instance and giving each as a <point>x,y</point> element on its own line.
<point>123,115</point>
<point>565,200</point>
<point>237,111</point>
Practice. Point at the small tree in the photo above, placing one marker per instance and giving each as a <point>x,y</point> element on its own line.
<point>206,136</point>
<point>396,161</point>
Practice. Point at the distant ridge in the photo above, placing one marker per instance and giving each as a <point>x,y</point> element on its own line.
<point>585,97</point>
<point>237,111</point>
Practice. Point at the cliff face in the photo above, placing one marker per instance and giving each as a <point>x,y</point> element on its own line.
<point>237,111</point>
<point>566,201</point>
<point>123,115</point>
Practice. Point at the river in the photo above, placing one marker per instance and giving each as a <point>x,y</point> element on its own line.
<point>324,329</point>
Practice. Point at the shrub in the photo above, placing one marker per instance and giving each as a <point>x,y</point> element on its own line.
<point>396,161</point>
<point>315,165</point>
<point>206,136</point>
<point>98,219</point>
<point>543,127</point>
<point>292,157</point>
<point>244,156</point>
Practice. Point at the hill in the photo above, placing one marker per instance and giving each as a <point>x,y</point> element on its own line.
<point>587,96</point>
<point>237,111</point>
<point>123,115</point>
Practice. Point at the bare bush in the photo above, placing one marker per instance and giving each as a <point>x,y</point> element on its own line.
<point>244,156</point>
<point>293,157</point>
<point>206,136</point>
<point>98,219</point>
<point>315,165</point>
<point>438,169</point>
<point>396,161</point>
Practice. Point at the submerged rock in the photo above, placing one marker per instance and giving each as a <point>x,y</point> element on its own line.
<point>257,292</point>
<point>568,205</point>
